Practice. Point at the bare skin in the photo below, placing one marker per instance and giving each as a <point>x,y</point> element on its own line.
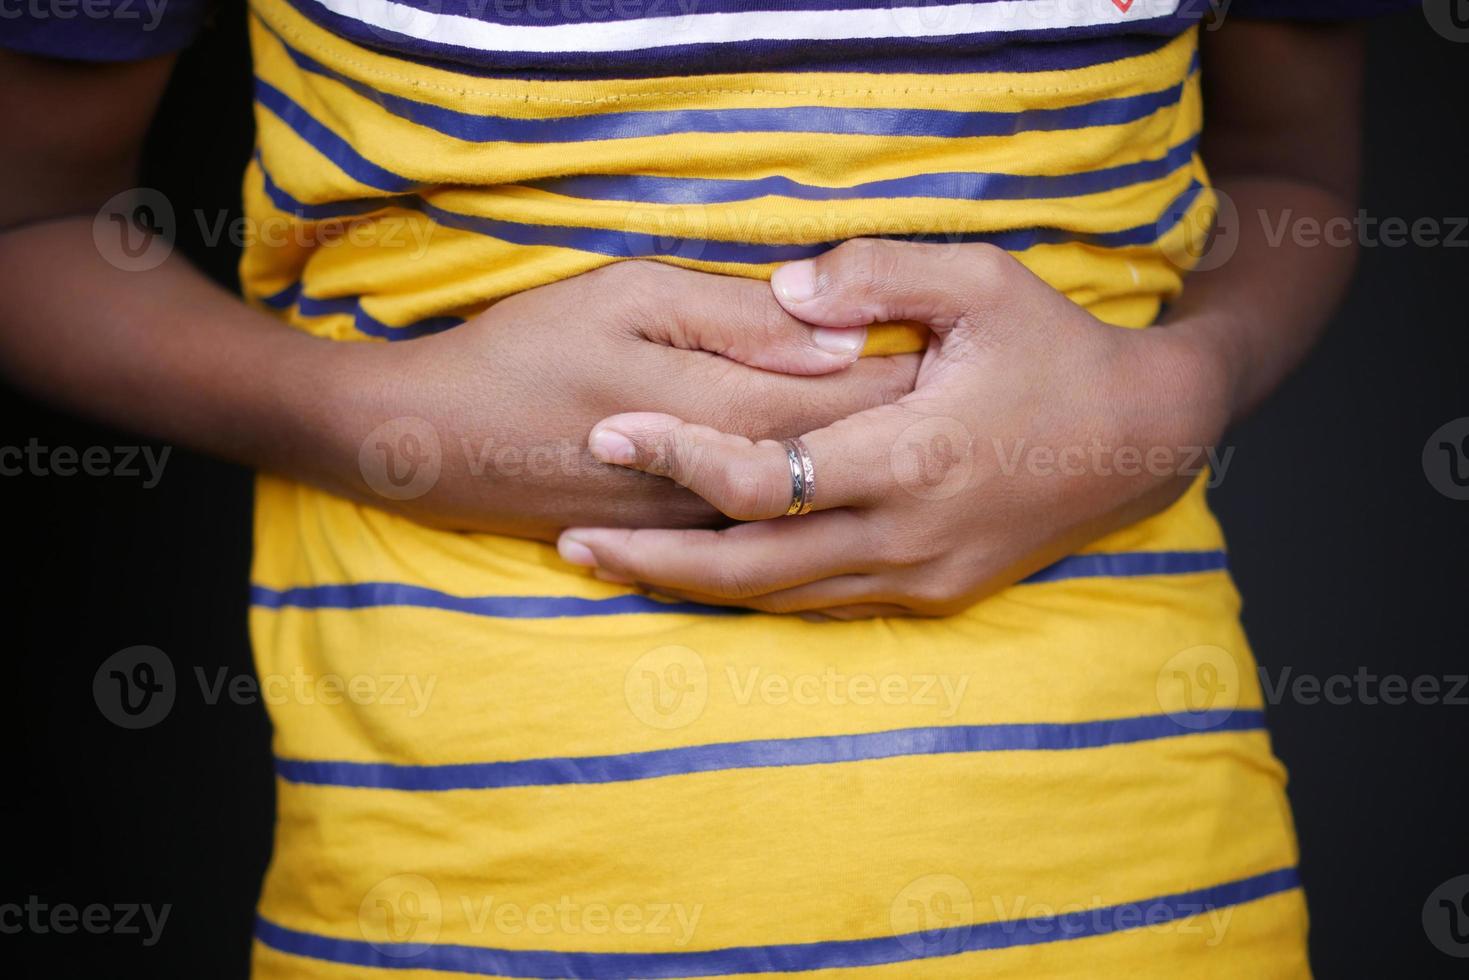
<point>169,354</point>
<point>1013,362</point>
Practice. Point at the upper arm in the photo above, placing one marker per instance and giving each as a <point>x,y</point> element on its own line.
<point>1283,99</point>
<point>71,131</point>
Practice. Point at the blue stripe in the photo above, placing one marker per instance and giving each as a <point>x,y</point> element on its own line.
<point>626,244</point>
<point>285,298</point>
<point>365,595</point>
<point>765,753</point>
<point>371,326</point>
<point>1131,563</point>
<point>792,957</point>
<point>326,142</point>
<point>364,322</point>
<point>789,119</point>
<point>960,186</point>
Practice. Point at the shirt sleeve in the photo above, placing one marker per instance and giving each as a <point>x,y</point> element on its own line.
<point>100,30</point>
<point>1317,10</point>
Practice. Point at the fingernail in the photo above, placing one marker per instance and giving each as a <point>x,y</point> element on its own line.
<point>795,281</point>
<point>575,552</point>
<point>613,447</point>
<point>847,340</point>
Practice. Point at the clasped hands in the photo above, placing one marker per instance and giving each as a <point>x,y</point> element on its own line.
<point>927,503</point>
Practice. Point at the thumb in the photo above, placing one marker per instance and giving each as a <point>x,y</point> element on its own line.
<point>876,280</point>
<point>738,319</point>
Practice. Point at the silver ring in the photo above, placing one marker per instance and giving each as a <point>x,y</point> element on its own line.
<point>803,478</point>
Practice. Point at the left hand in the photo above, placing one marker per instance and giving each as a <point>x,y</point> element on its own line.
<point>1027,436</point>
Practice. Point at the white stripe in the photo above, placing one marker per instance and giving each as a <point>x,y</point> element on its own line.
<point>934,20</point>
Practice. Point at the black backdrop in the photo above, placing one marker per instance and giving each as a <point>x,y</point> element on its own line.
<point>1348,558</point>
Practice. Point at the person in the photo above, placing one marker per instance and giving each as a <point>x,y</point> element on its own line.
<point>920,663</point>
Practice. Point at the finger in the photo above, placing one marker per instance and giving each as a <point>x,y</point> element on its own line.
<point>873,280</point>
<point>745,480</point>
<point>737,563</point>
<point>737,318</point>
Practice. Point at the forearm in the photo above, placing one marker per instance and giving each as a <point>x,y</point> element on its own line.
<point>168,354</point>
<point>1282,139</point>
<point>1258,314</point>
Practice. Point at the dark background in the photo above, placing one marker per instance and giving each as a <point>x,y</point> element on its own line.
<point>1347,557</point>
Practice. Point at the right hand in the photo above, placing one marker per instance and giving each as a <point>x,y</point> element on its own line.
<point>512,393</point>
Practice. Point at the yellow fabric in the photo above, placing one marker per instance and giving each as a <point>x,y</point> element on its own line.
<point>747,856</point>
